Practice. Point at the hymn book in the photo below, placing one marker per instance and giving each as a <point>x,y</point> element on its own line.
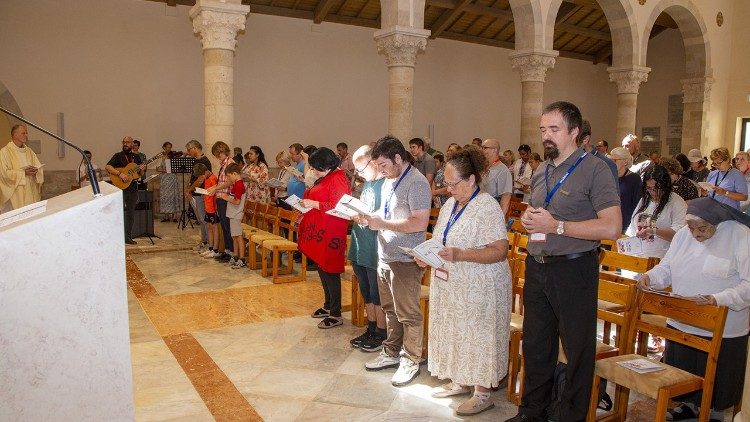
<point>426,252</point>
<point>641,365</point>
<point>275,183</point>
<point>348,207</point>
<point>293,200</point>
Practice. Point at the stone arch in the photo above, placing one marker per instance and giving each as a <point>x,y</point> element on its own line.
<point>694,35</point>
<point>527,17</point>
<point>621,21</point>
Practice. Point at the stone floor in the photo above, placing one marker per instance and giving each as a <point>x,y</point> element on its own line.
<point>212,343</point>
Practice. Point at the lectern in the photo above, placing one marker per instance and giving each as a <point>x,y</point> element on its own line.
<point>64,340</point>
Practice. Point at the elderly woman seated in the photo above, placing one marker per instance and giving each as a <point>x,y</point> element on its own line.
<point>709,262</point>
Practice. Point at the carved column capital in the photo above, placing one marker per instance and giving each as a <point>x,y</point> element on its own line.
<point>400,46</point>
<point>533,65</point>
<point>628,79</point>
<point>218,23</point>
<point>696,90</point>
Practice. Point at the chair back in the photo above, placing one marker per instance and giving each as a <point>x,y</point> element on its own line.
<point>617,261</point>
<point>517,226</point>
<point>286,220</point>
<point>518,277</point>
<point>516,208</point>
<point>625,296</point>
<point>270,219</point>
<point>247,216</point>
<point>258,214</point>
<point>519,248</point>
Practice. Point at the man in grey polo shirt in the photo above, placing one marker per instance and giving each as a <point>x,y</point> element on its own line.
<point>499,181</point>
<point>422,160</point>
<point>402,220</point>
<point>574,204</point>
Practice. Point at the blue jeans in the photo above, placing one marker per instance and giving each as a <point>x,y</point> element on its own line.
<point>200,214</point>
<point>368,283</point>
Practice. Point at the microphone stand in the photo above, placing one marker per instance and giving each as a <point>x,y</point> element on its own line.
<point>89,167</point>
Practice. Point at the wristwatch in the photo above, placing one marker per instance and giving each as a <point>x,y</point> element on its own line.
<point>560,227</point>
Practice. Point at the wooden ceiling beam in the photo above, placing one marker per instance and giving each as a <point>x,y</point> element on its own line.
<point>322,9</point>
<point>602,54</point>
<point>477,40</point>
<point>447,18</point>
<point>587,32</point>
<point>567,10</point>
<point>474,8</point>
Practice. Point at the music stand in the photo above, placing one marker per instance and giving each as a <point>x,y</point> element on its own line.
<point>145,213</point>
<point>182,166</point>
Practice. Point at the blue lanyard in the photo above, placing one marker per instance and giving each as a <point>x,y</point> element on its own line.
<point>551,193</point>
<point>387,205</point>
<point>454,216</point>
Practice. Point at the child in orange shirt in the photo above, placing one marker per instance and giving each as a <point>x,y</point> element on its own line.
<point>211,219</point>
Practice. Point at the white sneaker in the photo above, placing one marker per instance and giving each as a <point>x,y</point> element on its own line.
<point>239,264</point>
<point>407,371</point>
<point>200,247</point>
<point>209,254</point>
<point>382,361</point>
<point>232,261</point>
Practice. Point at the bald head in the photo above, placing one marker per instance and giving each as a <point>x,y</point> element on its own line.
<point>491,148</point>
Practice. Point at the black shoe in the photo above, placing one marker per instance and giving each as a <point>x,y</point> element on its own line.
<point>681,413</point>
<point>321,313</point>
<point>372,344</point>
<point>311,266</point>
<point>524,418</point>
<point>225,257</point>
<point>357,341</point>
<point>130,241</point>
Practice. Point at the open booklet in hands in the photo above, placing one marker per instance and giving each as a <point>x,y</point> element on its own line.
<point>294,200</point>
<point>426,252</point>
<point>348,207</point>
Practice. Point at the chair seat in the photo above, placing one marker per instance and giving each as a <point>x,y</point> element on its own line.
<point>648,384</point>
<point>279,243</point>
<point>516,322</point>
<point>602,351</point>
<point>260,237</point>
<point>424,292</point>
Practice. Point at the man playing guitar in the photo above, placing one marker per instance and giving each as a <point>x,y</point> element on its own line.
<point>130,192</point>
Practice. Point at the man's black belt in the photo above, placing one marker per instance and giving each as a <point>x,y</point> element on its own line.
<point>551,259</point>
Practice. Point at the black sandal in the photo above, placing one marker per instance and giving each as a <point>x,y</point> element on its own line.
<point>321,313</point>
<point>330,322</point>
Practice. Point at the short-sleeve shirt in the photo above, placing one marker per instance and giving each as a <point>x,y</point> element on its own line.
<point>499,181</point>
<point>210,200</point>
<point>295,186</point>
<point>425,164</point>
<point>413,194</point>
<point>363,249</point>
<point>122,159</point>
<point>206,162</point>
<point>237,190</point>
<point>587,191</point>
<point>731,180</point>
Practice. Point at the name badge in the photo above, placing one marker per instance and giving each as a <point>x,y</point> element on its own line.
<point>538,237</point>
<point>441,274</point>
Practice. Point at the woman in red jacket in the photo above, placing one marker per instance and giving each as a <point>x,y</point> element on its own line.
<point>322,236</point>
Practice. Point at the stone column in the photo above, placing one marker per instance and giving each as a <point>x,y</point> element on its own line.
<point>218,24</point>
<point>695,109</point>
<point>533,66</point>
<point>400,47</point>
<point>628,81</point>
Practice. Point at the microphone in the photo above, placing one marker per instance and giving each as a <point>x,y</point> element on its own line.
<point>89,167</point>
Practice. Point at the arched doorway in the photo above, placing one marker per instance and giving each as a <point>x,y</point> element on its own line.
<point>8,102</point>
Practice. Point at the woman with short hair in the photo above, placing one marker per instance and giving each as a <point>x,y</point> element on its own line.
<point>470,295</point>
<point>680,184</point>
<point>322,237</point>
<point>729,184</point>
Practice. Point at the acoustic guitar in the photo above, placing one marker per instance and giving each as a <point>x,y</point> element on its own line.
<point>131,170</point>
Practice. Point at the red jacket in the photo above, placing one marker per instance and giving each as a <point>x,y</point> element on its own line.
<point>322,237</point>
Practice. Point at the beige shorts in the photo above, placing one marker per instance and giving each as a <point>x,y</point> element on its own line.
<point>235,227</point>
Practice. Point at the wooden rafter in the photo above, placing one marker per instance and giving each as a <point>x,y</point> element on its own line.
<point>448,17</point>
<point>322,9</point>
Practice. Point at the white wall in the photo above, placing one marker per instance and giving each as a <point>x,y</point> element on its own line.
<point>134,67</point>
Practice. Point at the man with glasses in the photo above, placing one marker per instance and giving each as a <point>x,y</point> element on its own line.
<point>296,183</point>
<point>195,149</point>
<point>401,222</point>
<point>499,181</point>
<point>603,147</point>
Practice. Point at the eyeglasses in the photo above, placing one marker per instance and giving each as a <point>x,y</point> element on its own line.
<point>489,147</point>
<point>454,184</point>
<point>362,170</point>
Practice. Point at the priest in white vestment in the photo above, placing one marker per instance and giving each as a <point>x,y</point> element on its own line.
<point>21,177</point>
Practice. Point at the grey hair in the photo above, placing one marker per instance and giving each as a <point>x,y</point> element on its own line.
<point>194,144</point>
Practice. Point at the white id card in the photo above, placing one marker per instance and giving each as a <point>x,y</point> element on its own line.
<point>538,237</point>
<point>441,274</point>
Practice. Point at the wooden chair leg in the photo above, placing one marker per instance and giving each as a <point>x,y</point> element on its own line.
<point>252,262</point>
<point>662,403</point>
<point>514,362</point>
<point>425,305</point>
<point>593,402</point>
<point>607,332</point>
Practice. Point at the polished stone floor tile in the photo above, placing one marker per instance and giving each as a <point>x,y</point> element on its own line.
<point>317,411</point>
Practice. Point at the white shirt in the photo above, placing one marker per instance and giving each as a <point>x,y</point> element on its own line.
<point>719,266</point>
<point>517,175</point>
<point>672,216</point>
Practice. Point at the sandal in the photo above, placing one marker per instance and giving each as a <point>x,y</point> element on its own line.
<point>330,322</point>
<point>321,313</point>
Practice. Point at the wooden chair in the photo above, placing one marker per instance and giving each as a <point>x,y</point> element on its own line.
<point>434,213</point>
<point>285,220</point>
<point>267,230</point>
<point>515,363</point>
<point>516,208</point>
<point>358,304</point>
<point>670,382</point>
<point>517,227</point>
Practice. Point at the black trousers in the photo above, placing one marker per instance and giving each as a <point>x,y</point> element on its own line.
<point>332,292</point>
<point>129,200</point>
<point>559,301</point>
<point>221,210</point>
<point>730,369</point>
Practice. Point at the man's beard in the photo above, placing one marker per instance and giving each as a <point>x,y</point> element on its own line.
<point>126,149</point>
<point>550,150</point>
